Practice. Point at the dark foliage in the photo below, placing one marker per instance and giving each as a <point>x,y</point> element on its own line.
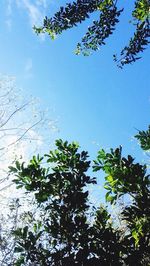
<point>72,231</point>
<point>144,139</point>
<point>78,11</point>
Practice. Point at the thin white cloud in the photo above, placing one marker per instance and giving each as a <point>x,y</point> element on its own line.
<point>8,20</point>
<point>35,14</point>
<point>35,9</point>
<point>9,8</point>
<point>42,3</point>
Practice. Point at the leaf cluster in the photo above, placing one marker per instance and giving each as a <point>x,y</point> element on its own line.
<point>73,13</point>
<point>72,231</point>
<point>144,139</point>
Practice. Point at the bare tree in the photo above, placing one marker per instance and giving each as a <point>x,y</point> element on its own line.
<point>23,127</point>
<point>24,130</point>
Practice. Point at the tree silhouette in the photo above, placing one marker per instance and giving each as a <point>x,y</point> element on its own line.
<point>109,12</point>
<point>71,231</point>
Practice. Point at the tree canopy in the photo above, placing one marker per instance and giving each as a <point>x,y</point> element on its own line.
<point>72,231</point>
<point>109,12</point>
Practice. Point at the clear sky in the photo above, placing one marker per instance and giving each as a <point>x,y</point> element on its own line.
<point>95,103</point>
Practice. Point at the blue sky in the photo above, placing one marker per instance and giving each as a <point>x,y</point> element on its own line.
<point>95,103</point>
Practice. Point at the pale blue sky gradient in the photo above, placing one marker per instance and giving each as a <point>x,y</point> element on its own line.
<point>95,103</point>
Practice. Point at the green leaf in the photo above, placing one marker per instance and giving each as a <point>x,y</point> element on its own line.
<point>35,228</point>
<point>107,195</point>
<point>96,168</point>
<point>18,249</point>
<point>107,187</point>
<point>20,261</point>
<point>109,178</point>
<point>135,235</point>
<point>13,169</point>
<point>18,166</point>
<point>25,231</point>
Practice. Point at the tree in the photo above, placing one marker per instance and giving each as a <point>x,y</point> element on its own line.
<point>21,134</point>
<point>71,231</point>
<point>18,212</point>
<point>21,122</point>
<point>8,223</point>
<point>109,12</point>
